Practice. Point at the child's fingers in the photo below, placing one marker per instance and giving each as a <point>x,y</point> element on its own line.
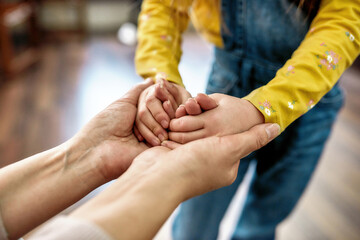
<point>173,90</point>
<point>205,101</point>
<point>149,128</point>
<point>147,134</point>
<point>164,95</point>
<point>155,106</point>
<point>170,144</point>
<point>169,109</point>
<point>138,134</point>
<point>181,111</point>
<point>192,107</point>
<point>185,137</point>
<point>186,124</point>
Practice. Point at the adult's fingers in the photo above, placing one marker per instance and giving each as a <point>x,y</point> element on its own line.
<point>185,137</point>
<point>155,106</point>
<point>192,107</point>
<point>133,94</point>
<point>187,123</point>
<point>170,144</point>
<point>242,144</point>
<point>205,101</point>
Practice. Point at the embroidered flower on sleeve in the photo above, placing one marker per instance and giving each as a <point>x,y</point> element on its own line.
<point>153,69</point>
<point>290,69</point>
<point>329,60</point>
<point>145,17</point>
<point>350,36</point>
<point>167,38</point>
<point>266,107</point>
<point>291,104</point>
<point>310,104</point>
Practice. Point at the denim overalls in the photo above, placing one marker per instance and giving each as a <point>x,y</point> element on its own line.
<point>259,37</point>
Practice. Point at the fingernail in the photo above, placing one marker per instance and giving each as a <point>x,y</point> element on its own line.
<point>161,81</point>
<point>164,123</point>
<point>273,130</point>
<point>163,143</point>
<point>148,80</point>
<point>156,142</point>
<point>140,138</point>
<point>161,137</point>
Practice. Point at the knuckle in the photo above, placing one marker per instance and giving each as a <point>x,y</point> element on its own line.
<point>142,113</point>
<point>157,130</point>
<point>160,116</point>
<point>180,123</point>
<point>149,100</point>
<point>182,138</point>
<point>261,140</point>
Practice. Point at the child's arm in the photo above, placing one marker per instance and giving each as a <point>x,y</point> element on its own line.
<point>329,48</point>
<point>232,115</point>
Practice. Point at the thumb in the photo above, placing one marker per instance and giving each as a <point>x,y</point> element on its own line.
<point>133,94</point>
<point>243,144</point>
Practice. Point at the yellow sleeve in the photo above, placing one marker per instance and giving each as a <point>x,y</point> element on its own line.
<point>329,48</point>
<point>161,24</point>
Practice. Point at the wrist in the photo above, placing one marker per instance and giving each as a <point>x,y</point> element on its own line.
<point>254,115</point>
<point>84,162</point>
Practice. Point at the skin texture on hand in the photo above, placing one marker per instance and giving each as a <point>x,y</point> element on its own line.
<point>232,115</point>
<point>110,134</point>
<point>160,179</point>
<point>157,105</point>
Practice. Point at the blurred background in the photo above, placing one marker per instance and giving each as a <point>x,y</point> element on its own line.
<point>62,61</point>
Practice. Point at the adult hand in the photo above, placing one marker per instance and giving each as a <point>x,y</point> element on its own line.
<point>109,135</point>
<point>157,105</point>
<point>100,152</point>
<point>232,115</point>
<point>165,178</point>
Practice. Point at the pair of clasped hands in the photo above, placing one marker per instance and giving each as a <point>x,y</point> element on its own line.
<point>166,111</point>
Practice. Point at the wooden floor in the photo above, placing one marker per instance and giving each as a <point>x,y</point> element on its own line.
<point>74,80</point>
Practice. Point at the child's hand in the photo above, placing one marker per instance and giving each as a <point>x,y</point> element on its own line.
<point>195,106</point>
<point>232,115</point>
<point>156,107</point>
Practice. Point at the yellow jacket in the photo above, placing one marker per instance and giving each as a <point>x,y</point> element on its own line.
<point>329,48</point>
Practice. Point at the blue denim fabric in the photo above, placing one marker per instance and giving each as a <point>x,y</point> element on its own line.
<point>259,37</point>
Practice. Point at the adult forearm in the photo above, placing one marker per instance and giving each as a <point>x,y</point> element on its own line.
<point>136,205</point>
<point>37,188</point>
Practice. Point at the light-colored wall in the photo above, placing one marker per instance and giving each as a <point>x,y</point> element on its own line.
<point>101,16</point>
